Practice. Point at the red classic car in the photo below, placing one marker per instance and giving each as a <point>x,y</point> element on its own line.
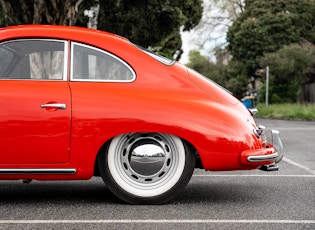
<point>77,103</point>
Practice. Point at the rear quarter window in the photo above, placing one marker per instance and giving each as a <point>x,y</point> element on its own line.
<point>93,64</point>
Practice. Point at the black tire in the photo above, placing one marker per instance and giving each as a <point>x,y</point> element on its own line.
<point>146,168</point>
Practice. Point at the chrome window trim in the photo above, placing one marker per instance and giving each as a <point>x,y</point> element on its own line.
<point>160,58</point>
<point>106,53</point>
<point>65,59</point>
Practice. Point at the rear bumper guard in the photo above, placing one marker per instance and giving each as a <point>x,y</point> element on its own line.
<point>263,158</point>
<point>266,157</point>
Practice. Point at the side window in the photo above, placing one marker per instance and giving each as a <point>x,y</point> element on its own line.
<point>33,59</point>
<point>92,64</point>
<point>6,57</point>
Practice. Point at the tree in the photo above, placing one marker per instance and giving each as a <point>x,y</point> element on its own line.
<point>266,26</point>
<point>218,16</point>
<point>206,67</point>
<point>154,23</point>
<point>1,17</point>
<point>40,11</point>
<point>209,38</point>
<point>289,68</point>
<point>237,79</point>
<point>232,76</point>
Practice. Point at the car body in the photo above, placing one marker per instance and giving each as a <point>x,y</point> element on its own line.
<point>77,103</point>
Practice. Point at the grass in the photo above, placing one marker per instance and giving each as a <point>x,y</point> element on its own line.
<point>287,111</point>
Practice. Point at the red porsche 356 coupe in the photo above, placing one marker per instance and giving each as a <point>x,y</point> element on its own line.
<point>77,103</point>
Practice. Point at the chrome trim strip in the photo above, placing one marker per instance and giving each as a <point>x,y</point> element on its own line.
<point>38,171</point>
<point>263,158</point>
<point>253,111</point>
<point>259,131</point>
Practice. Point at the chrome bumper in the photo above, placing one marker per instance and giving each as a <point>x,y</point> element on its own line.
<point>267,157</point>
<point>276,142</point>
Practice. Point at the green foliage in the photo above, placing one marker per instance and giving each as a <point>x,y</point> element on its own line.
<point>233,76</point>
<point>206,67</point>
<point>265,26</point>
<point>200,64</point>
<point>237,79</point>
<point>289,67</point>
<point>154,23</point>
<point>287,111</point>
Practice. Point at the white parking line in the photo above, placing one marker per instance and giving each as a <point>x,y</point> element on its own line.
<point>291,162</point>
<point>285,159</point>
<point>252,175</point>
<point>157,221</point>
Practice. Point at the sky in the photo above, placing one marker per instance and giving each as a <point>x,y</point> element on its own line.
<point>205,37</point>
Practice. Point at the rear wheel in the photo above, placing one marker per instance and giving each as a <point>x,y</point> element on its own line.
<point>146,168</point>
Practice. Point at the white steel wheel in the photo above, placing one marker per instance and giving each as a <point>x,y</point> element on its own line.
<point>146,168</point>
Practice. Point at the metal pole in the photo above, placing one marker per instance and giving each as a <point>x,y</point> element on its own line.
<point>267,84</point>
<point>92,14</point>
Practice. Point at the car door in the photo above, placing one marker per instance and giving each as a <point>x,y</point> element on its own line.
<point>35,102</point>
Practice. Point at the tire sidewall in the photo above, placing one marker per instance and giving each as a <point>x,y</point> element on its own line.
<point>132,195</point>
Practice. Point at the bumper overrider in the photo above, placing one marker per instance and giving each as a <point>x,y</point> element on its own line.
<point>267,158</point>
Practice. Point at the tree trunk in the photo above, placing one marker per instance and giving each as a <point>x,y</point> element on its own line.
<point>57,12</point>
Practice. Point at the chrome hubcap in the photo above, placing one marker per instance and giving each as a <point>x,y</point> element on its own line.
<point>146,158</point>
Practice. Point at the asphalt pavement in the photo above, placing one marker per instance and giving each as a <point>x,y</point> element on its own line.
<point>284,199</point>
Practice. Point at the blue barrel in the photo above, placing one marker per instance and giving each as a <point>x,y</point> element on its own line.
<point>248,101</point>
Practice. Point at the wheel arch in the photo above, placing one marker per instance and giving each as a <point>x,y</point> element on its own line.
<point>188,146</point>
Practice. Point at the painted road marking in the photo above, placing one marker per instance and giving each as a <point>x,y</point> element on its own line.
<point>251,175</point>
<point>285,159</point>
<point>157,221</point>
<point>294,163</point>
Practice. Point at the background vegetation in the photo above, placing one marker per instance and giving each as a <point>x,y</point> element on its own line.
<point>279,34</point>
<point>149,23</point>
<point>287,111</point>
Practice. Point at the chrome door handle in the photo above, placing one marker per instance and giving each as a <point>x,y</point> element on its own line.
<point>55,105</point>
